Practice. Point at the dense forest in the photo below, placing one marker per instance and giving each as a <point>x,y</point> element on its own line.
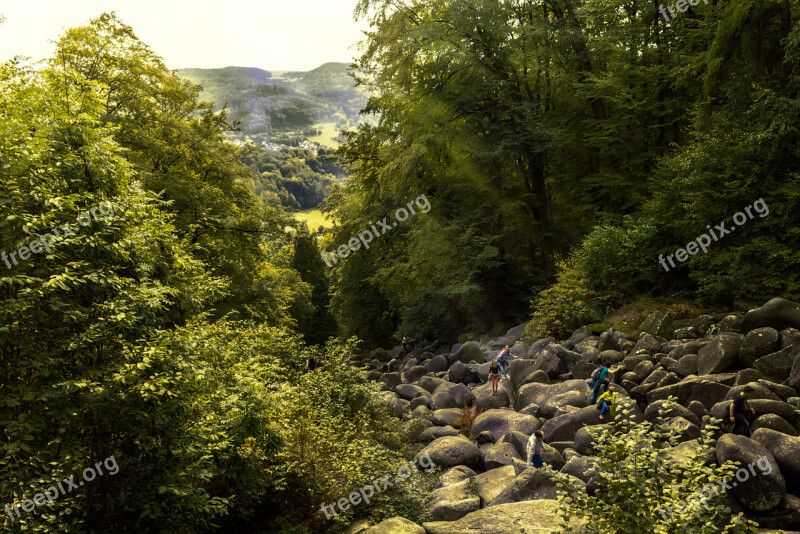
<point>533,165</point>
<point>294,178</point>
<point>571,139</point>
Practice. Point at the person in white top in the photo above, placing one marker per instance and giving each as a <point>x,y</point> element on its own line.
<point>535,448</point>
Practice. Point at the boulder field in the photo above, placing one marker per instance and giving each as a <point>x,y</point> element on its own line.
<point>486,486</point>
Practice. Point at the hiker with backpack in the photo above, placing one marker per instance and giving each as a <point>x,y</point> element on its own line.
<point>494,375</point>
<point>741,426</point>
<point>503,358</point>
<point>408,344</point>
<point>607,402</point>
<point>535,448</point>
<point>599,380</point>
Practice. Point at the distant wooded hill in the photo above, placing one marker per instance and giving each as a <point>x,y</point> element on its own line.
<point>284,107</point>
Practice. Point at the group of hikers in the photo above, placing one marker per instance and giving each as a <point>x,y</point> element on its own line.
<point>606,400</point>
<point>603,394</point>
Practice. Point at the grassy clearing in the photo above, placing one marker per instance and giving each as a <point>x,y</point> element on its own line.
<point>329,131</point>
<point>313,218</point>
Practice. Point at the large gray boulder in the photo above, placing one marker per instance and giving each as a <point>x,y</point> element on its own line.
<point>470,351</point>
<point>538,393</point>
<point>786,451</point>
<point>789,337</point>
<point>449,451</point>
<point>501,422</point>
<point>397,405</point>
<point>392,380</point>
<point>414,373</point>
<point>519,349</point>
<point>611,356</point>
<point>499,455</point>
<point>692,388</point>
<point>721,353</point>
<point>758,343</point>
<point>564,427</point>
<point>586,436</point>
<point>608,341</point>
<point>491,483</point>
<point>487,401</point>
<point>449,395</point>
<point>411,391</point>
<point>454,501</point>
<point>456,474</point>
<point>460,373</point>
<point>578,467</point>
<point>557,402</point>
<point>436,364</point>
<point>777,365</point>
<point>445,416</point>
<point>548,362</point>
<point>777,313</point>
<point>519,369</point>
<point>530,485</point>
<point>539,517</point>
<point>537,346</point>
<point>781,390</point>
<point>794,375</point>
<point>435,432</point>
<point>759,485</point>
<point>659,324</point>
<point>683,429</point>
<point>430,383</point>
<point>652,411</point>
<point>395,525</point>
<point>648,343</point>
<point>687,365</point>
<point>773,422</point>
<point>536,377</point>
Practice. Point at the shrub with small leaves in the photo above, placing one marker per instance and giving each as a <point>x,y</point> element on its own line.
<point>637,489</point>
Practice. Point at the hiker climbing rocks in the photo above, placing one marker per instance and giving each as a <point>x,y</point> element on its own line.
<point>600,380</point>
<point>607,402</point>
<point>408,344</point>
<point>535,448</point>
<point>494,375</point>
<point>503,358</point>
<point>741,425</point>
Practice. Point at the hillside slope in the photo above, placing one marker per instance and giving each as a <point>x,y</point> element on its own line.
<point>283,106</point>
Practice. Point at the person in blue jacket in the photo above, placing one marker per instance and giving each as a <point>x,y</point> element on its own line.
<point>600,380</point>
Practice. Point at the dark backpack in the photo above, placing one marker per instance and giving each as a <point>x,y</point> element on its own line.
<point>596,374</point>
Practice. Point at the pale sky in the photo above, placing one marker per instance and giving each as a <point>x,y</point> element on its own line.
<point>270,34</point>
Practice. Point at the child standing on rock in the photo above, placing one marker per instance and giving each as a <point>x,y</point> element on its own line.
<point>607,402</point>
<point>503,358</point>
<point>494,375</point>
<point>535,448</point>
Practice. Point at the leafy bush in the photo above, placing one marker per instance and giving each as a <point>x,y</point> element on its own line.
<point>338,438</point>
<point>567,304</point>
<point>634,483</point>
<point>469,412</point>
